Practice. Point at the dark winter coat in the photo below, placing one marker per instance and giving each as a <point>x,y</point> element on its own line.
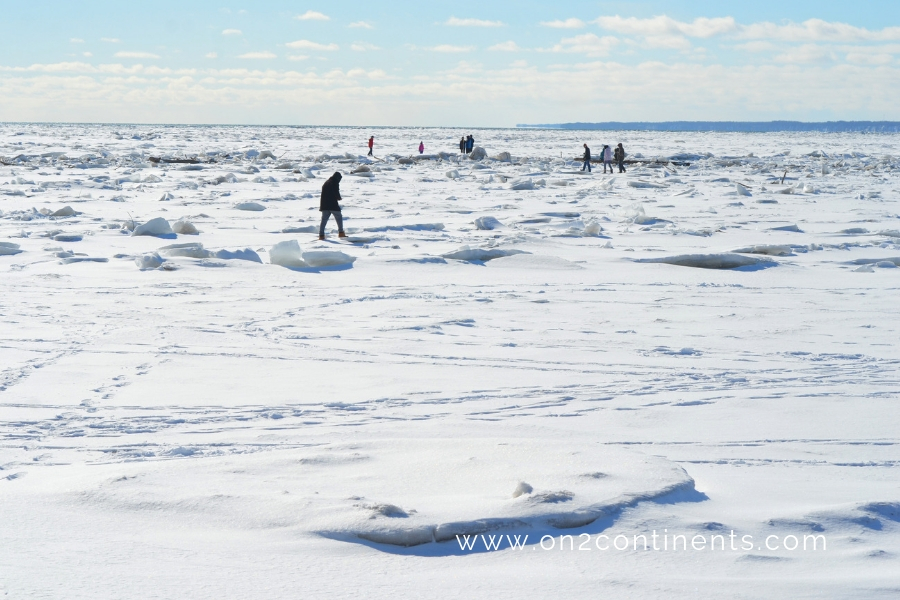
<point>619,154</point>
<point>331,193</point>
<point>587,154</point>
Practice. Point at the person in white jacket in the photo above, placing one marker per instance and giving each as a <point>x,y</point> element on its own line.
<point>607,155</point>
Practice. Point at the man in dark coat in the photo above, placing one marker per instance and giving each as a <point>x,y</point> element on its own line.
<point>462,145</point>
<point>331,193</point>
<point>619,155</point>
<point>587,159</point>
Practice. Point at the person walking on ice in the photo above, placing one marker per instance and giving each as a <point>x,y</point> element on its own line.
<point>619,155</point>
<point>587,159</point>
<point>607,156</point>
<point>421,147</point>
<point>371,145</point>
<point>331,193</point>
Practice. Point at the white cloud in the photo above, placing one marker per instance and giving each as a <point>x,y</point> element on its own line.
<point>88,54</point>
<point>232,32</point>
<point>666,26</point>
<point>111,40</point>
<point>77,41</point>
<point>212,55</point>
<point>817,30</point>
<point>308,45</point>
<point>757,46</point>
<point>361,24</point>
<point>297,57</point>
<point>450,49</point>
<point>258,55</point>
<point>454,22</point>
<point>312,15</point>
<point>587,44</point>
<point>126,54</point>
<point>567,24</point>
<point>807,53</point>
<point>363,47</point>
<point>509,46</point>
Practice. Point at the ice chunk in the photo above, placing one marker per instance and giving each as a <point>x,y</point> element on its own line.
<point>646,184</point>
<point>477,153</point>
<point>166,197</point>
<point>287,254</point>
<point>148,261</point>
<point>251,206</point>
<point>158,227</point>
<point>487,223</point>
<point>190,250</point>
<point>184,227</point>
<point>521,184</point>
<point>742,190</point>
<point>592,228</point>
<point>885,264</point>
<point>65,211</point>
<point>711,261</point>
<point>452,174</point>
<point>522,489</point>
<point>301,229</point>
<point>793,228</point>
<point>8,249</point>
<point>503,157</point>
<point>67,237</point>
<point>245,254</point>
<point>327,258</point>
<point>481,254</point>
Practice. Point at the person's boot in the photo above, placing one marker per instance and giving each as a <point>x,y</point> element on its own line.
<point>341,234</point>
<point>321,237</point>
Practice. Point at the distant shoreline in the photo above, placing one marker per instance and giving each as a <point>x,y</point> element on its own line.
<point>731,126</point>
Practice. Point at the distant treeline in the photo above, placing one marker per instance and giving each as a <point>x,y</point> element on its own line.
<point>737,126</point>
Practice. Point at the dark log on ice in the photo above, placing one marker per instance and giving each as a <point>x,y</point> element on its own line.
<point>186,161</point>
<point>641,161</point>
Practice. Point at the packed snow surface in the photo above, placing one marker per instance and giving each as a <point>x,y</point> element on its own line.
<point>507,368</point>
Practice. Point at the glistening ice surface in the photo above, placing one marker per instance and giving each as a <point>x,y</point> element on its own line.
<point>199,399</point>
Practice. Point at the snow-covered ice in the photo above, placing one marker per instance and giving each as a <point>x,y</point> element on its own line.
<point>199,398</point>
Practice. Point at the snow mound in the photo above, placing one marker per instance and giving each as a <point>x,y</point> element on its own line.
<point>452,174</point>
<point>245,254</point>
<point>287,254</point>
<point>503,157</point>
<point>148,261</point>
<point>768,249</point>
<point>67,237</point>
<point>250,206</point>
<point>8,249</point>
<point>711,261</point>
<point>487,223</point>
<point>742,190</point>
<point>300,229</point>
<point>533,261</point>
<point>894,260</point>
<point>480,254</point>
<point>592,228</point>
<point>792,228</point>
<point>327,258</point>
<point>157,227</point>
<point>183,227</point>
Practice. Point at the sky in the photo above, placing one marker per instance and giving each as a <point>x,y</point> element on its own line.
<point>465,63</point>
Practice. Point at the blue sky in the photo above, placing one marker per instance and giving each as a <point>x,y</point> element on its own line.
<point>461,63</point>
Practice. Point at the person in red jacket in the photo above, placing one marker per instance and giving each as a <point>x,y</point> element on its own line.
<point>371,145</point>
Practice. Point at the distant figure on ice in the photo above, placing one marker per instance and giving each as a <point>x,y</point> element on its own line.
<point>331,193</point>
<point>470,143</point>
<point>421,147</point>
<point>371,145</point>
<point>607,156</point>
<point>462,145</point>
<point>587,159</point>
<point>619,155</point>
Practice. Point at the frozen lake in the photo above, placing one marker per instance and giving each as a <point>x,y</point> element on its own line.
<point>502,348</point>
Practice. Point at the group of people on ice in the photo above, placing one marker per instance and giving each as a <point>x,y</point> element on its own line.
<point>607,155</point>
<point>466,144</point>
